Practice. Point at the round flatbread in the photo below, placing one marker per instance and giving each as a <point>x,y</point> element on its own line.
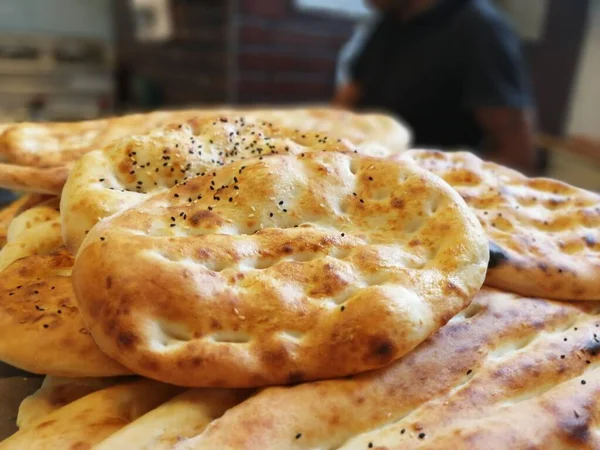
<point>506,373</point>
<point>35,231</point>
<point>180,418</point>
<point>58,144</point>
<point>544,234</point>
<point>57,392</point>
<point>107,181</point>
<point>91,419</point>
<point>41,330</point>
<point>15,208</point>
<point>280,270</point>
<point>39,180</point>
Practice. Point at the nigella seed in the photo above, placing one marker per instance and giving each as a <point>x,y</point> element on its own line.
<point>101,179</point>
<point>102,238</point>
<point>421,435</point>
<point>172,225</point>
<point>270,214</point>
<point>176,195</point>
<point>299,435</point>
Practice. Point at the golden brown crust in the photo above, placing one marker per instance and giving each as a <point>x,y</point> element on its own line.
<point>41,330</point>
<point>105,182</point>
<point>57,144</point>
<point>212,284</point>
<point>34,231</point>
<point>33,179</point>
<point>15,208</point>
<point>91,419</point>
<point>178,419</point>
<point>508,372</point>
<point>57,392</point>
<point>544,234</point>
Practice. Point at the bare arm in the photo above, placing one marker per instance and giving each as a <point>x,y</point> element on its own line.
<point>347,96</point>
<point>508,135</point>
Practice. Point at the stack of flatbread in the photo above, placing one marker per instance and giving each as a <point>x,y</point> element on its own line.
<point>293,279</point>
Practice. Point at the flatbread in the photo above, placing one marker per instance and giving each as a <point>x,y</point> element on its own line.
<point>35,231</point>
<point>506,373</point>
<point>280,270</point>
<point>91,419</point>
<point>57,144</point>
<point>41,330</point>
<point>21,204</point>
<point>544,234</point>
<point>57,392</point>
<point>180,418</point>
<point>38,180</point>
<point>107,181</point>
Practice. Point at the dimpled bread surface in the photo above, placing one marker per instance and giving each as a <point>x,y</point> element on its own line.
<point>280,270</point>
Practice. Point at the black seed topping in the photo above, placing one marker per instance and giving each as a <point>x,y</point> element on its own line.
<point>299,435</point>
<point>270,214</point>
<point>102,238</point>
<point>421,435</point>
<point>172,225</point>
<point>46,325</point>
<point>370,445</point>
<point>582,381</point>
<point>402,431</point>
<point>342,308</point>
<point>469,372</point>
<point>101,179</point>
<point>176,195</point>
<point>562,356</point>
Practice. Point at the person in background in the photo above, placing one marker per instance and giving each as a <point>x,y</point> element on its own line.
<point>452,70</point>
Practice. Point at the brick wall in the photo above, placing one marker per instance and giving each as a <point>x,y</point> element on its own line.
<point>286,56</point>
<point>192,67</point>
<point>236,51</point>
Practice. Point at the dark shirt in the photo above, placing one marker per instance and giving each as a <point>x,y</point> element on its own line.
<point>434,71</point>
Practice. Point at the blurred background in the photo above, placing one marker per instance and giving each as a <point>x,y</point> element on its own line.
<point>73,59</point>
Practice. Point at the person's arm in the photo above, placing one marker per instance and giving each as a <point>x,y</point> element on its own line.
<point>496,89</point>
<point>508,137</point>
<point>347,96</point>
<point>351,64</point>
